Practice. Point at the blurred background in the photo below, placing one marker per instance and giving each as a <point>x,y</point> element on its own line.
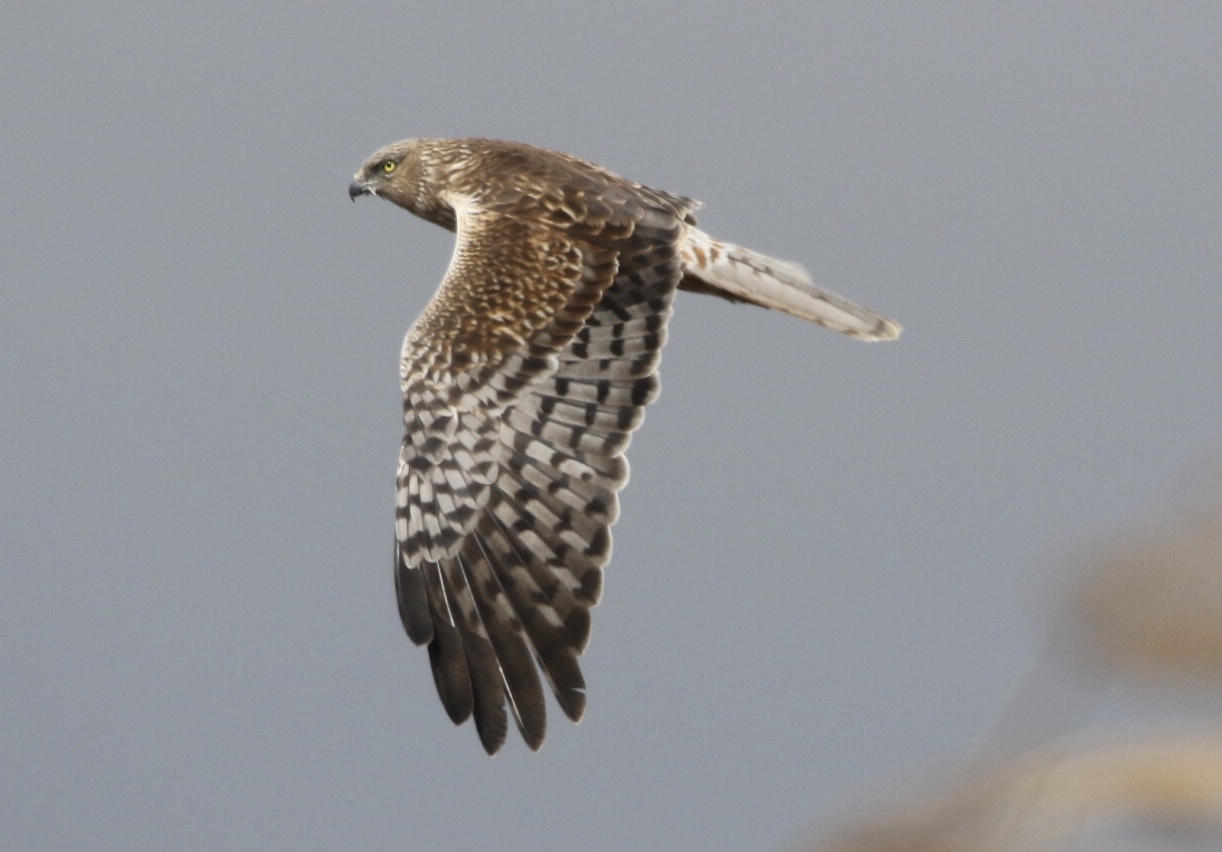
<point>844,573</point>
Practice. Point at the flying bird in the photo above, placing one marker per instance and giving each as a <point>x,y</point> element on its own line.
<point>523,380</point>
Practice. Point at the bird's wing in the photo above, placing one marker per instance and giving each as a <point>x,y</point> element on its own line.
<point>523,380</point>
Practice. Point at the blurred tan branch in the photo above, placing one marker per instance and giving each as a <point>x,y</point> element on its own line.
<point>1150,601</point>
<point>1145,605</point>
<point>1047,799</point>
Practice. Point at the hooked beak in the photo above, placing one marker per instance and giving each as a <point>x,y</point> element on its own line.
<point>358,188</point>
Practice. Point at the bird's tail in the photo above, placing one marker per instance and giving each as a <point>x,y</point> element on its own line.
<point>741,275</point>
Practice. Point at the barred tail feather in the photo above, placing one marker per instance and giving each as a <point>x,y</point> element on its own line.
<point>742,275</point>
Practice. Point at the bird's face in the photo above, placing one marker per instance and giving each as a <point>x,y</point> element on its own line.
<point>385,173</point>
<point>405,174</point>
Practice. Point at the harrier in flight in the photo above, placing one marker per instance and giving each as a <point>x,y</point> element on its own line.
<point>523,380</point>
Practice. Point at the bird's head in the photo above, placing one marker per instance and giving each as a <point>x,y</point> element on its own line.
<point>392,172</point>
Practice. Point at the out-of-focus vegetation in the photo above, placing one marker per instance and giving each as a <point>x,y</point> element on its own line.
<point>1141,610</point>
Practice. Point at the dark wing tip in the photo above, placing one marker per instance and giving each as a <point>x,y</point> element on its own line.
<point>413,596</point>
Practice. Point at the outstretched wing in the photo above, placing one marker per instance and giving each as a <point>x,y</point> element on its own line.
<point>523,381</point>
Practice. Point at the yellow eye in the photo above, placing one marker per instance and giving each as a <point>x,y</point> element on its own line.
<point>389,166</point>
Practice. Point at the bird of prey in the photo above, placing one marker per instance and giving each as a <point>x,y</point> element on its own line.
<point>523,380</point>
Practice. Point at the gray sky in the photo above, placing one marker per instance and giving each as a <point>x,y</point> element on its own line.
<point>834,559</point>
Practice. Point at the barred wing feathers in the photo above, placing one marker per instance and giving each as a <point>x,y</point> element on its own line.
<point>517,421</point>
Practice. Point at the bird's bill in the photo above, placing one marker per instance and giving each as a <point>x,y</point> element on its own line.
<point>357,188</point>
